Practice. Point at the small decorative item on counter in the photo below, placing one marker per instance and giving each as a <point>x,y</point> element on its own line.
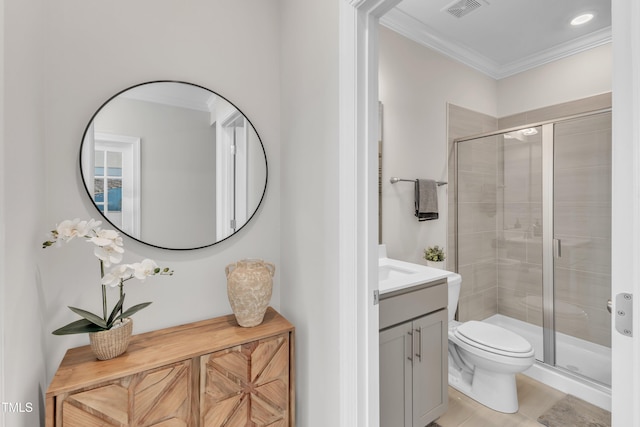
<point>249,286</point>
<point>109,334</point>
<point>435,256</point>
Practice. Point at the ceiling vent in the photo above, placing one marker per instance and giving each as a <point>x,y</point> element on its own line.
<point>460,8</point>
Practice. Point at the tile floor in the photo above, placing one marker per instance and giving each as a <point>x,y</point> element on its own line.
<point>534,397</point>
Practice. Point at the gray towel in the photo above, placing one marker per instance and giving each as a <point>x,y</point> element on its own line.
<point>426,199</point>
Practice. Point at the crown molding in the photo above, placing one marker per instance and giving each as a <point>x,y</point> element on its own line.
<point>415,30</point>
<point>581,44</point>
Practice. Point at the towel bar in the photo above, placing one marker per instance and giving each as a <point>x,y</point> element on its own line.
<point>394,179</point>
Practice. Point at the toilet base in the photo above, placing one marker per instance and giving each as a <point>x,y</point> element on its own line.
<point>491,389</point>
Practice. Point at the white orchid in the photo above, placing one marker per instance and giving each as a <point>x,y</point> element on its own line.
<point>84,227</point>
<point>138,270</point>
<point>109,250</point>
<point>108,254</point>
<point>144,269</point>
<point>117,274</point>
<point>104,238</point>
<point>68,229</point>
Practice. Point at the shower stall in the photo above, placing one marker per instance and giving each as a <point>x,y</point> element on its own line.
<point>533,238</point>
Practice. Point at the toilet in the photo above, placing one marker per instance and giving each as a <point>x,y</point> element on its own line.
<point>484,358</point>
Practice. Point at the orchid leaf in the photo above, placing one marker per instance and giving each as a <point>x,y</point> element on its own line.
<point>96,320</point>
<point>116,309</point>
<point>78,327</point>
<point>132,310</point>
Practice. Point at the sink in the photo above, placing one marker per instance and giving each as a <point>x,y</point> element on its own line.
<point>386,272</point>
<point>394,274</point>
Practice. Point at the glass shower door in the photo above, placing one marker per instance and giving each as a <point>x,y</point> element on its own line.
<point>520,248</point>
<point>582,245</point>
<point>499,231</point>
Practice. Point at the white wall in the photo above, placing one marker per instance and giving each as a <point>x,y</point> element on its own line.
<point>416,84</point>
<point>309,110</point>
<point>22,178</point>
<point>95,49</point>
<point>579,76</point>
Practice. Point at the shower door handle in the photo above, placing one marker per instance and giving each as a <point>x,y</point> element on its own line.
<point>557,248</point>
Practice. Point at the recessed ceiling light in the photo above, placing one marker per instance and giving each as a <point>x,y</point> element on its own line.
<point>582,19</point>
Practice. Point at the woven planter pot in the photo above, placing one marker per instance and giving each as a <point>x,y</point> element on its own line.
<point>249,286</point>
<point>113,342</point>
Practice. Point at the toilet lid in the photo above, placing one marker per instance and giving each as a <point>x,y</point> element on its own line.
<point>495,337</point>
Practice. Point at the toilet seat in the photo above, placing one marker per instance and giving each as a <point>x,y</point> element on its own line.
<point>493,339</point>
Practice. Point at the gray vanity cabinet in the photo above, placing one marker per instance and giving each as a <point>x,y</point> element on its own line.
<point>413,357</point>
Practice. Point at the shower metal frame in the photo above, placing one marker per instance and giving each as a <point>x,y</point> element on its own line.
<point>550,247</point>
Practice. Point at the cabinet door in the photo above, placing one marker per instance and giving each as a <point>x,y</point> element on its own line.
<point>154,398</point>
<point>246,385</point>
<point>430,368</point>
<point>396,376</point>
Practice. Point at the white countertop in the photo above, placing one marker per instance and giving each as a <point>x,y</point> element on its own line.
<point>394,274</point>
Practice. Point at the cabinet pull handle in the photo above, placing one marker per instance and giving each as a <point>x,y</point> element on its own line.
<point>410,333</point>
<point>419,353</point>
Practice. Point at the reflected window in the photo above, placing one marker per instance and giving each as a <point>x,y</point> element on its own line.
<point>108,198</point>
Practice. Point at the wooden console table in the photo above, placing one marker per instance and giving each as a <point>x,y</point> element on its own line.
<point>204,374</point>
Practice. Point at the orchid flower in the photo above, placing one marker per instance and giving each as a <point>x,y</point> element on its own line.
<point>109,250</point>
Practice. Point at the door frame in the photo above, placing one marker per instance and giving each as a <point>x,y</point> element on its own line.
<point>358,210</point>
<point>625,220</point>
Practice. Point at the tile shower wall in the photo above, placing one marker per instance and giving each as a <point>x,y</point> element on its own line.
<point>477,226</point>
<point>500,257</point>
<point>582,221</point>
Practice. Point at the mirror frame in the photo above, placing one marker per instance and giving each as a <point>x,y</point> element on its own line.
<point>104,218</point>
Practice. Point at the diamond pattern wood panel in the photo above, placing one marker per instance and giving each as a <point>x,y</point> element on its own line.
<point>247,385</point>
<point>154,398</point>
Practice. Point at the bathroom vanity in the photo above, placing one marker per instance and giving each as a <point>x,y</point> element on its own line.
<point>207,374</point>
<point>413,344</point>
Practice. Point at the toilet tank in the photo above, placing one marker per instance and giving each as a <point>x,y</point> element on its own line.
<point>454,282</point>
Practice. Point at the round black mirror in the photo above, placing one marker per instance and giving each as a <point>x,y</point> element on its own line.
<point>173,165</point>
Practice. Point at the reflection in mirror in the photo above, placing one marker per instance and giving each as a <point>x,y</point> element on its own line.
<point>173,165</point>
